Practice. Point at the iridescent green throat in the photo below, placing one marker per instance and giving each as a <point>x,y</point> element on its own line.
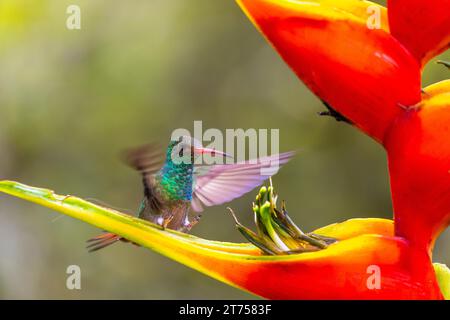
<point>176,178</point>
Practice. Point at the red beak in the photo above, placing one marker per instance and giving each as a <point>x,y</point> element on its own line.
<point>201,150</point>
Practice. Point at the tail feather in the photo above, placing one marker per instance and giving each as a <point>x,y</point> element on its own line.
<point>101,241</point>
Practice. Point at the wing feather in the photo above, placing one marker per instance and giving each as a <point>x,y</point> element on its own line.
<point>148,160</point>
<point>218,184</point>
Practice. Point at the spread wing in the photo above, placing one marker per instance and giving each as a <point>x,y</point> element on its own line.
<point>147,159</point>
<point>219,184</point>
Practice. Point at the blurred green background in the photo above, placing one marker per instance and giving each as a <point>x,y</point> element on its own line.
<point>70,101</point>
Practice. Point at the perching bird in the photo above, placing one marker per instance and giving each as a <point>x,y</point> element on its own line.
<point>175,185</point>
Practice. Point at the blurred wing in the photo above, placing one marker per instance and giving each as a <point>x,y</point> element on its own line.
<point>148,160</point>
<point>218,184</point>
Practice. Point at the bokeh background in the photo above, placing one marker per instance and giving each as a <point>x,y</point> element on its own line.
<point>70,101</point>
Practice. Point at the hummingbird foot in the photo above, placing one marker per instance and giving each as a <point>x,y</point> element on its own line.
<point>160,220</point>
<point>166,221</point>
<point>188,225</point>
<point>173,223</point>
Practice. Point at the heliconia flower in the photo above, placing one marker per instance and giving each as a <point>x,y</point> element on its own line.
<point>422,26</point>
<point>365,74</point>
<point>367,261</point>
<point>372,78</point>
<point>418,147</point>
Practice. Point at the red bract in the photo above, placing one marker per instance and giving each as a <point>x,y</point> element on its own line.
<point>372,77</point>
<point>422,26</point>
<point>367,261</point>
<point>418,146</point>
<point>365,74</point>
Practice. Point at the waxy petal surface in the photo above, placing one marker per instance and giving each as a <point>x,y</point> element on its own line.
<point>422,26</point>
<point>342,271</point>
<point>419,162</point>
<point>364,74</point>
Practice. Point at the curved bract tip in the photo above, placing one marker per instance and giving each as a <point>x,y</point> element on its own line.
<point>422,26</point>
<point>343,270</point>
<point>358,69</point>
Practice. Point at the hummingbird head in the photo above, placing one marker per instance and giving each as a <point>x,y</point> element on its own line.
<point>184,150</point>
<point>177,172</point>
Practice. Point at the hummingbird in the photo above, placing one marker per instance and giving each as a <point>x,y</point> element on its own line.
<point>176,183</point>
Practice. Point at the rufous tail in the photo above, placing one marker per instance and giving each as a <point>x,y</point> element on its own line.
<point>101,241</point>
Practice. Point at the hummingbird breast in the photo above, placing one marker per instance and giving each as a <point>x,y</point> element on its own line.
<point>176,182</point>
<point>173,195</point>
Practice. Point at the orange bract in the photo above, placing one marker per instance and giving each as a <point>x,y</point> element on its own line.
<point>372,77</point>
<point>342,271</point>
<point>363,74</point>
